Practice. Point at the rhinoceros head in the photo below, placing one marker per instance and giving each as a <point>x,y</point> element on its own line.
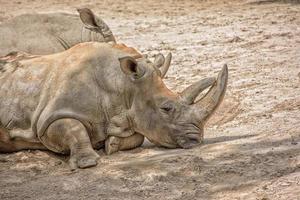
<point>166,118</point>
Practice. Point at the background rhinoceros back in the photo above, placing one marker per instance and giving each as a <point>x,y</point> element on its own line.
<point>36,33</point>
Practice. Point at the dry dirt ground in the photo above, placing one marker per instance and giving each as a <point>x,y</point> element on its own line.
<point>252,144</point>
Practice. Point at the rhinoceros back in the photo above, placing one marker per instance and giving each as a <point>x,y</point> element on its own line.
<point>84,83</point>
<point>20,90</point>
<point>37,33</point>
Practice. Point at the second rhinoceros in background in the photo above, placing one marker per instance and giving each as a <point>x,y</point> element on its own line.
<point>46,33</point>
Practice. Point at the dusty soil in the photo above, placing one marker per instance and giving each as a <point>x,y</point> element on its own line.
<point>252,144</point>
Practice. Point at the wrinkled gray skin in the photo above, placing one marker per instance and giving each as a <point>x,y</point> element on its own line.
<point>71,102</point>
<point>48,33</point>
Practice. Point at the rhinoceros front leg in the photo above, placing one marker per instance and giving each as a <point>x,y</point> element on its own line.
<point>114,144</point>
<point>70,136</point>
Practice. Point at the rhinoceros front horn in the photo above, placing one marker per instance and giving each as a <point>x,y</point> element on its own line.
<point>210,102</point>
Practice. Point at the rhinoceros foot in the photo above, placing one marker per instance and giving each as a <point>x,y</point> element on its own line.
<point>84,160</point>
<point>112,145</point>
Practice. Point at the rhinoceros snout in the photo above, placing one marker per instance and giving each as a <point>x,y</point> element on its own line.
<point>188,140</point>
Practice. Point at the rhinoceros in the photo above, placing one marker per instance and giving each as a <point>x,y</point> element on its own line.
<point>75,101</point>
<point>47,33</point>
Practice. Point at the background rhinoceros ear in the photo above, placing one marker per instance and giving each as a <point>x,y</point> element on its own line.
<point>96,24</point>
<point>130,67</point>
<point>87,17</point>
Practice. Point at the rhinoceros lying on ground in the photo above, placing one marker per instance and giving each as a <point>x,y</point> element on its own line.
<point>71,102</point>
<point>52,32</point>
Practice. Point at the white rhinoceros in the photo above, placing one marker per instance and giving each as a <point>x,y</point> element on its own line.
<point>75,100</point>
<point>48,33</point>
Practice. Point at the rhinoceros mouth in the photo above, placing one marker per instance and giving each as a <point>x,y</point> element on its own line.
<point>188,140</point>
<point>194,136</point>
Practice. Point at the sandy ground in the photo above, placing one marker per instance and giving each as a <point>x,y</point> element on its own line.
<point>252,144</point>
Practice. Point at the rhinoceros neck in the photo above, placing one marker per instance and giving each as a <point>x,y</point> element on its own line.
<point>115,102</point>
<point>118,114</point>
<point>95,35</point>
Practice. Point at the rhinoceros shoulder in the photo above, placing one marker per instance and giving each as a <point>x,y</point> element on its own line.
<point>128,50</point>
<point>88,48</point>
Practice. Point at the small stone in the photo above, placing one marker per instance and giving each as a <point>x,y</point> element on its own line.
<point>235,39</point>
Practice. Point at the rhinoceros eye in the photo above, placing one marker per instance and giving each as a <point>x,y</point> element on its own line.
<point>167,107</point>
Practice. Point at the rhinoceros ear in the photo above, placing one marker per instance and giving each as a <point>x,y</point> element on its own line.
<point>96,24</point>
<point>163,63</point>
<point>87,17</point>
<point>159,60</point>
<point>130,67</point>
